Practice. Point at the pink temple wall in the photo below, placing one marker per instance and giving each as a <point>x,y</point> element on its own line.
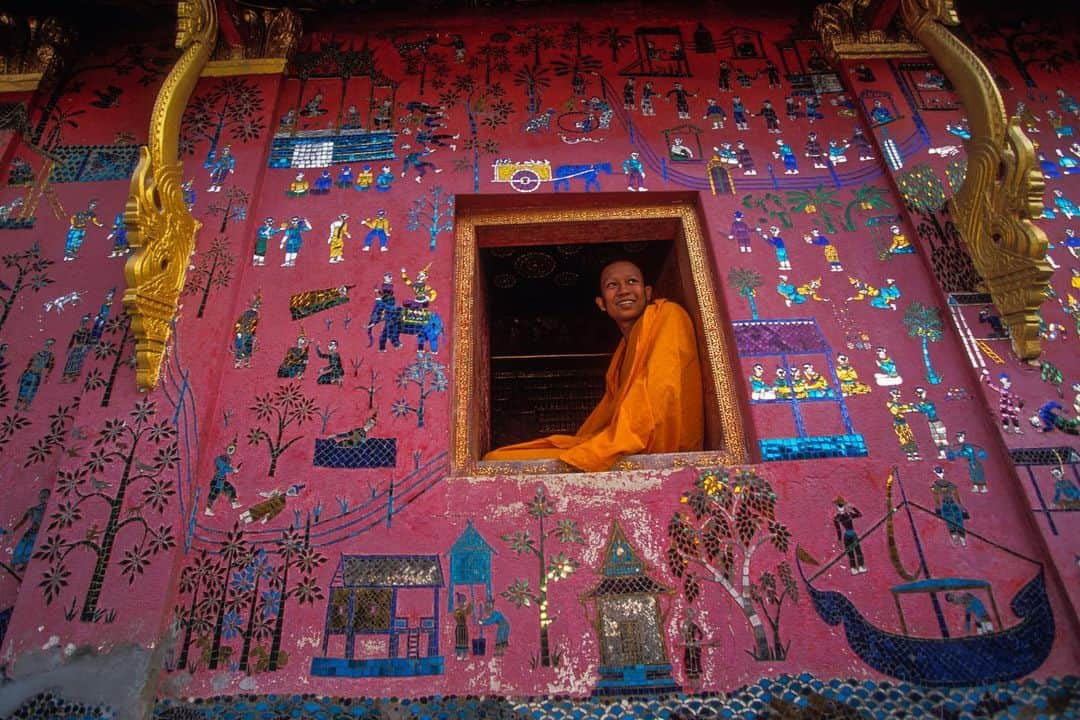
<point>207,401</point>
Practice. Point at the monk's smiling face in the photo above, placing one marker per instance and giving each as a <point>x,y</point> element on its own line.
<point>623,293</point>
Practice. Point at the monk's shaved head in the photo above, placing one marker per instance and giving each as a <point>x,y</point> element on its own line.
<point>623,293</point>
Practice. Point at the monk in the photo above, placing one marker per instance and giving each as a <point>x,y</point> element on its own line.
<point>652,401</point>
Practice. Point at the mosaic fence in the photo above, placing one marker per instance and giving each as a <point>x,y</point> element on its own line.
<point>785,696</point>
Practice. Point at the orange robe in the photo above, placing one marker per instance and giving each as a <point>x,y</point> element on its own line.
<point>652,402</point>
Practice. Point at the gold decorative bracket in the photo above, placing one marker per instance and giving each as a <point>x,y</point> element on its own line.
<point>994,207</point>
<point>160,228</point>
<point>36,51</point>
<point>847,33</point>
<point>254,41</point>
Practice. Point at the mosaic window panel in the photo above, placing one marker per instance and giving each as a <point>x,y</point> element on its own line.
<point>93,163</point>
<point>368,453</point>
<point>1054,473</point>
<point>314,154</point>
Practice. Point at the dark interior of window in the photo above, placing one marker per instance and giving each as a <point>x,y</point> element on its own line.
<point>549,343</point>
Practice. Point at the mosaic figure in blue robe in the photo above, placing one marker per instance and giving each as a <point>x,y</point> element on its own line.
<point>118,235</point>
<point>1066,494</point>
<point>974,456</point>
<point>78,348</point>
<point>32,518</point>
<point>976,618</point>
<point>77,225</point>
<point>502,626</point>
<point>345,177</point>
<point>323,184</point>
<point>787,156</point>
<point>293,239</point>
<point>38,369</point>
<point>224,165</point>
<point>738,113</point>
<point>219,484</point>
<point>789,292</point>
<point>774,239</point>
<point>384,180</point>
<point>947,498</point>
<point>244,334</point>
<point>1064,205</point>
<point>880,114</point>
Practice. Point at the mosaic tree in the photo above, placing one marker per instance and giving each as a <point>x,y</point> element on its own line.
<point>279,410</point>
<point>730,515</point>
<point>866,198</point>
<point>483,107</point>
<point>493,57</point>
<point>769,594</point>
<point>433,212</point>
<point>534,78</point>
<point>31,272</point>
<point>922,189</point>
<point>14,422</point>
<point>613,39</point>
<point>924,322</point>
<point>60,423</point>
<point>422,57</point>
<point>771,206</point>
<point>746,281</point>
<point>222,602</point>
<point>200,581</point>
<point>212,269</point>
<point>551,569</point>
<point>121,351</point>
<point>230,205</point>
<point>123,443</point>
<point>818,200</point>
<point>576,67</point>
<point>1025,43</point>
<point>297,556</point>
<point>427,374</point>
<point>233,106</point>
<point>534,38</point>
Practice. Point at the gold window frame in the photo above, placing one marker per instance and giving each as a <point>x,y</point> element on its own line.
<point>510,225</point>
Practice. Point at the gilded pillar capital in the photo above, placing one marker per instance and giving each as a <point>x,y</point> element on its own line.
<point>32,49</point>
<point>258,41</point>
<point>846,33</point>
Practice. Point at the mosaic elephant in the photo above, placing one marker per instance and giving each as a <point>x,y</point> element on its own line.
<point>400,320</point>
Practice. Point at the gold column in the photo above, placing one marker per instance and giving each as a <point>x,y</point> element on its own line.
<point>1003,191</point>
<point>160,228</point>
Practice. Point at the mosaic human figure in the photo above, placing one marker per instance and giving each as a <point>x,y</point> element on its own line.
<point>905,437</point>
<point>423,294</point>
<point>293,239</point>
<point>118,236</point>
<point>787,156</point>
<point>832,255</point>
<point>849,378</point>
<point>365,179</point>
<point>898,243</point>
<point>814,151</point>
<point>263,235</point>
<point>647,94</point>
<point>938,433</point>
<point>629,94</point>
<point>339,232</point>
<point>682,102</point>
<point>77,226</point>
<point>948,506</point>
<point>738,113</point>
<point>415,160</point>
<point>844,524</point>
<point>323,184</point>
<point>1066,494</point>
<point>777,242</point>
<point>883,298</point>
<point>38,369</point>
<point>502,626</point>
<point>744,158</point>
<point>975,615</point>
<point>817,385</point>
<point>1009,403</point>
<point>379,229</point>
<point>219,483</point>
<point>272,506</point>
<point>299,186</point>
<point>224,166</point>
<point>740,233</point>
<point>295,361</point>
<point>880,114</point>
<point>692,638</point>
<point>78,348</point>
<point>772,121</point>
<point>760,388</point>
<point>384,180</point>
<point>862,144</point>
<point>635,173</point>
<point>887,373</point>
<point>247,324</point>
<point>32,518</point>
<point>462,610</point>
<point>334,372</point>
<point>974,456</point>
<point>715,113</point>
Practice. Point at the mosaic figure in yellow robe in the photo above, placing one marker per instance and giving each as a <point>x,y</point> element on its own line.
<point>652,402</point>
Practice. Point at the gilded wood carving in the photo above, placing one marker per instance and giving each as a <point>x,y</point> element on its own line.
<point>161,230</point>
